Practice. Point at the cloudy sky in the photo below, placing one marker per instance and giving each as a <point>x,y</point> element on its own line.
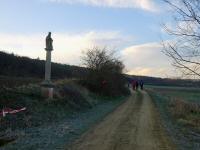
<point>132,27</point>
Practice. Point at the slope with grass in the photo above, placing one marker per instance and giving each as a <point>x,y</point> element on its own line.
<point>50,124</point>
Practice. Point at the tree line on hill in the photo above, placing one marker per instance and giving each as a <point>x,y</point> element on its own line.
<point>166,81</point>
<point>18,66</point>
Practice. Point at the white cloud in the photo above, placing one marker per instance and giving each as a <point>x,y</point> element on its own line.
<point>147,59</point>
<point>148,5</point>
<point>26,45</point>
<point>67,47</point>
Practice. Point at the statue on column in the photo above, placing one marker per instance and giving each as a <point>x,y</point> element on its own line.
<point>47,86</point>
<point>49,42</point>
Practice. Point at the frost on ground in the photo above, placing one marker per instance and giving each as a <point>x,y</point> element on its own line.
<point>50,124</point>
<point>57,134</point>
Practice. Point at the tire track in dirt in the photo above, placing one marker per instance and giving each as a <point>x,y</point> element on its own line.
<point>135,125</point>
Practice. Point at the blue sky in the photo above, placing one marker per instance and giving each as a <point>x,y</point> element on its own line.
<point>133,27</point>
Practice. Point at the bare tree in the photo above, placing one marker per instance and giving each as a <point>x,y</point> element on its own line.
<point>105,72</point>
<point>184,49</point>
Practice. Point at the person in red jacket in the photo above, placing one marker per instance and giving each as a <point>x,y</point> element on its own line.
<point>133,83</point>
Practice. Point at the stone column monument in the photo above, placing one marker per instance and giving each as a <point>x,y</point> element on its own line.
<point>47,86</point>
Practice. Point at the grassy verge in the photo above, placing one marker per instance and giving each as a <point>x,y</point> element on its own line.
<point>51,124</point>
<point>180,116</point>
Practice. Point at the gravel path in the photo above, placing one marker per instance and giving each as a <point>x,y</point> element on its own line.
<point>135,125</point>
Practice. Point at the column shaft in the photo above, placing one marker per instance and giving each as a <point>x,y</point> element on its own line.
<point>48,66</point>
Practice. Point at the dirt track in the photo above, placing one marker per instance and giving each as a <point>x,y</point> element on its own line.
<point>135,125</point>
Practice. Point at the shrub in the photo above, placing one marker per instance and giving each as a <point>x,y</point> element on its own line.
<point>105,72</point>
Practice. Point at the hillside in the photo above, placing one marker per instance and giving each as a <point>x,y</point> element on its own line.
<point>18,66</point>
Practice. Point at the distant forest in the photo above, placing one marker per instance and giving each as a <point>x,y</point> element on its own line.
<point>18,66</point>
<point>167,81</point>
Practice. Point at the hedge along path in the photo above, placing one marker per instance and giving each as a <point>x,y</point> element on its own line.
<point>135,125</point>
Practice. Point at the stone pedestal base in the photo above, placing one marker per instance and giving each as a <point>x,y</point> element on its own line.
<point>47,92</point>
<point>47,89</point>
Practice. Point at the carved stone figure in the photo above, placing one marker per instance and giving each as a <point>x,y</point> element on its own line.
<point>49,42</point>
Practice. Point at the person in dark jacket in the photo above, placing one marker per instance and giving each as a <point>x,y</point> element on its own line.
<point>141,84</point>
<point>136,85</point>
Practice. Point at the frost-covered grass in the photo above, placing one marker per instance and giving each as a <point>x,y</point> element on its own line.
<point>178,109</point>
<point>51,124</point>
<point>60,133</point>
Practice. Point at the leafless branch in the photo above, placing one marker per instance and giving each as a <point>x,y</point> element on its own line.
<point>184,50</point>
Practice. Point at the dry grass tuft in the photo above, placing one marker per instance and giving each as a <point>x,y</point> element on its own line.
<point>185,112</point>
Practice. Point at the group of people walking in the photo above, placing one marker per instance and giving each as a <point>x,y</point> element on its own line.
<point>136,84</point>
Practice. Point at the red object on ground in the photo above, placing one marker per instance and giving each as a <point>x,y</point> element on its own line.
<point>11,111</point>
